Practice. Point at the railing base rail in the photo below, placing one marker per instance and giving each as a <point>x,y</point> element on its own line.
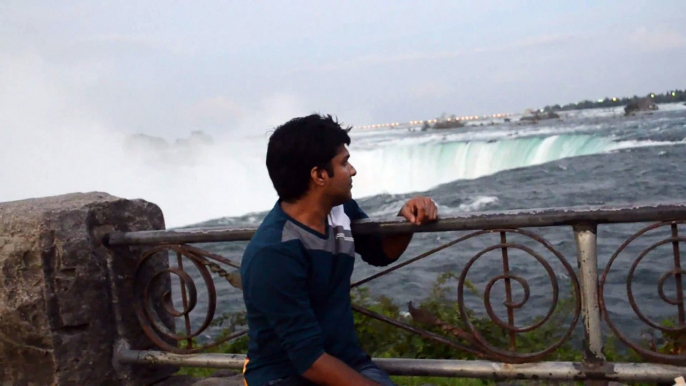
<point>557,371</point>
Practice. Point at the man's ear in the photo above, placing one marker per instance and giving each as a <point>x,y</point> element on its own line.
<point>319,176</point>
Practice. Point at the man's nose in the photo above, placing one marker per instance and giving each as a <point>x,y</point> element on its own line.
<point>353,171</point>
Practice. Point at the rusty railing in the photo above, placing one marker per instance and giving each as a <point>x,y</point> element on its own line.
<point>586,294</point>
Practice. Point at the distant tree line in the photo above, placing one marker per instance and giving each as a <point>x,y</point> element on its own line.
<point>666,97</point>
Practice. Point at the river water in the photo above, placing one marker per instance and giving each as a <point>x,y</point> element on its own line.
<point>590,157</point>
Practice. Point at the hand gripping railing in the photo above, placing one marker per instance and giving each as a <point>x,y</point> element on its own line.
<point>587,295</point>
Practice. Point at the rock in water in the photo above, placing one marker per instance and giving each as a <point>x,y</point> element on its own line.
<point>638,105</point>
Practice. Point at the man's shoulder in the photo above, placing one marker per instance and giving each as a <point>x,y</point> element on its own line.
<point>269,230</point>
<point>274,257</point>
<point>269,239</point>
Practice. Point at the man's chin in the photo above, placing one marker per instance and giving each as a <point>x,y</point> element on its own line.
<point>343,199</point>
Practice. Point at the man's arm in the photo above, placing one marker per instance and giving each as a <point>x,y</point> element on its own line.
<point>383,250</point>
<point>419,210</point>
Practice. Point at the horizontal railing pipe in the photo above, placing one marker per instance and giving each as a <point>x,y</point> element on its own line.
<point>558,371</point>
<point>524,218</point>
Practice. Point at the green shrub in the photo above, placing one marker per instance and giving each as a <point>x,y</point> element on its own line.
<point>381,340</point>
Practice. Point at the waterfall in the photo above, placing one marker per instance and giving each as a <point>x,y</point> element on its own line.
<point>406,168</point>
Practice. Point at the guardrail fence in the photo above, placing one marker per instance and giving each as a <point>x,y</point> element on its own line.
<point>587,292</point>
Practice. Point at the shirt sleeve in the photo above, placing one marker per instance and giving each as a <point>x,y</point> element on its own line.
<point>370,247</point>
<point>277,288</point>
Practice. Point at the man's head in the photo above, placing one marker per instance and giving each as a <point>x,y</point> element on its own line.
<point>308,154</point>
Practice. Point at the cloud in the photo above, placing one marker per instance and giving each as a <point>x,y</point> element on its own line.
<point>218,110</point>
<point>376,59</point>
<point>57,145</point>
<point>113,46</point>
<point>650,40</point>
<point>541,41</point>
<point>258,117</point>
<point>431,90</point>
<point>119,39</point>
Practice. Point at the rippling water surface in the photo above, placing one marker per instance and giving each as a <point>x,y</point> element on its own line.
<point>588,158</point>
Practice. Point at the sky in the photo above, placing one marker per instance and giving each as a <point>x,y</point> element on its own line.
<point>78,78</point>
<point>167,68</point>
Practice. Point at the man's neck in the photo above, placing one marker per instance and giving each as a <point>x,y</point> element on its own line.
<point>309,211</point>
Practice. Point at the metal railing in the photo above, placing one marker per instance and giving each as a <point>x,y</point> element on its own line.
<point>586,289</point>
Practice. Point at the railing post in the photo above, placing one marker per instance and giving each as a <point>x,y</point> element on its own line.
<point>587,259</point>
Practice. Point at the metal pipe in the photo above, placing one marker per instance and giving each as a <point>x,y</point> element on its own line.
<point>508,291</point>
<point>587,259</point>
<point>216,361</point>
<point>639,372</point>
<point>560,371</point>
<point>677,276</point>
<point>467,221</point>
<point>179,236</point>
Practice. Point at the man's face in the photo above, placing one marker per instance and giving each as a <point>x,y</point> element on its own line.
<point>340,185</point>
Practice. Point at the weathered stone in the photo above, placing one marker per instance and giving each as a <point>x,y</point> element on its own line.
<point>65,298</point>
<point>225,373</point>
<point>179,380</point>
<point>231,381</point>
<point>185,380</point>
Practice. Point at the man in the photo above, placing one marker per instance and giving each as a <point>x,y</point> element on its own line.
<point>296,270</point>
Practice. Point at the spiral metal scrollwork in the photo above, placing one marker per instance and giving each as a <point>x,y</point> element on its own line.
<point>511,355</point>
<point>148,316</point>
<point>476,343</point>
<point>676,272</point>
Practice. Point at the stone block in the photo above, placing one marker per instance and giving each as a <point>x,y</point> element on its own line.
<point>65,298</point>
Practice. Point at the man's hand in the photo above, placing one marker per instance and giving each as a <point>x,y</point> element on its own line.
<point>420,210</point>
<point>330,371</point>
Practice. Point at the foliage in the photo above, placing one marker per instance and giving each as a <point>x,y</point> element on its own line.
<point>671,96</point>
<point>381,340</point>
<point>235,346</point>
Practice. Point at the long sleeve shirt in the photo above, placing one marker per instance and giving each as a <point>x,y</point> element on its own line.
<point>296,287</point>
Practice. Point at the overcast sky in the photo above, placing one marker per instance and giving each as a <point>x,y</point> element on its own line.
<point>166,68</point>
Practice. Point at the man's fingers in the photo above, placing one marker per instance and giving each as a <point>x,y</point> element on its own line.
<point>420,210</point>
<point>414,209</point>
<point>408,213</point>
<point>421,213</point>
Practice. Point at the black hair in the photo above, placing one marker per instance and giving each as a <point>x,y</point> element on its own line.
<point>299,145</point>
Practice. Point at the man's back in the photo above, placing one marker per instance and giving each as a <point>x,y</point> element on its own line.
<point>296,286</point>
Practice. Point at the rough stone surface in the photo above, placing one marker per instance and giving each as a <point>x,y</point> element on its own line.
<point>225,379</point>
<point>178,380</point>
<point>66,299</point>
<point>231,381</point>
<point>642,104</point>
<point>225,373</point>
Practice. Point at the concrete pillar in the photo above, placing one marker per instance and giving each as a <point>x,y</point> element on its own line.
<point>65,298</point>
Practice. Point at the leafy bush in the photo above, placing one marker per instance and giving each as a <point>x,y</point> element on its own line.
<point>381,340</point>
